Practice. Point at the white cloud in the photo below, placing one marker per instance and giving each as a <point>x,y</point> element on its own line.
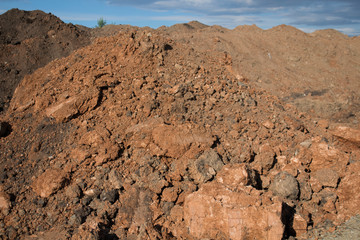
<point>312,14</point>
<point>197,3</point>
<point>348,31</point>
<point>308,30</point>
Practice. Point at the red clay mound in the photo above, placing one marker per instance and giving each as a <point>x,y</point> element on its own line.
<point>141,136</point>
<point>29,40</point>
<point>164,134</point>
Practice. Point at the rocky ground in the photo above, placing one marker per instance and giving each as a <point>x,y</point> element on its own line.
<point>146,134</point>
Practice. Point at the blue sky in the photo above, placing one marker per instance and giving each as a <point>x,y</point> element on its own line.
<point>307,15</point>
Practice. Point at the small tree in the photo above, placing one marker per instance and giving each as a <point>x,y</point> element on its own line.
<point>101,22</point>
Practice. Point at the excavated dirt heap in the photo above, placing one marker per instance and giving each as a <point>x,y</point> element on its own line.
<point>138,136</point>
<point>318,72</point>
<point>29,40</point>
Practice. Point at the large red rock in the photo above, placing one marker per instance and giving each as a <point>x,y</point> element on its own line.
<point>235,176</point>
<point>99,144</point>
<point>347,133</point>
<point>325,156</point>
<point>215,211</point>
<point>73,106</point>
<point>265,159</point>
<point>176,141</point>
<point>325,177</point>
<point>349,193</point>
<point>49,182</point>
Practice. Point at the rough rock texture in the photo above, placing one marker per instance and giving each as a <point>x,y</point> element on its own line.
<point>215,212</point>
<point>349,192</point>
<point>347,133</point>
<point>285,185</point>
<point>49,182</point>
<point>348,230</point>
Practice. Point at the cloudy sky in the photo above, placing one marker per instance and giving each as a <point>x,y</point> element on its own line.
<point>307,15</point>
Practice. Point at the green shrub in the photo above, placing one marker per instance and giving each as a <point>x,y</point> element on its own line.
<point>101,22</point>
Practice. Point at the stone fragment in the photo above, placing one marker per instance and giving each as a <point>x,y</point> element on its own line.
<point>265,160</point>
<point>73,191</point>
<point>55,233</point>
<point>305,191</point>
<point>88,230</point>
<point>111,196</point>
<point>327,199</point>
<point>285,185</point>
<point>306,143</point>
<point>80,154</point>
<point>268,124</point>
<point>5,203</point>
<point>92,192</point>
<point>49,182</point>
<point>73,106</point>
<point>349,193</point>
<point>325,156</point>
<point>157,182</point>
<point>101,145</point>
<point>323,123</point>
<point>299,225</point>
<point>175,141</point>
<point>326,177</point>
<point>170,194</point>
<point>206,166</point>
<point>215,211</point>
<point>235,176</point>
<point>115,179</point>
<point>347,133</point>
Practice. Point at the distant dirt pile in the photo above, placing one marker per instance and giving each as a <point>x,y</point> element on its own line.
<point>147,135</point>
<point>318,72</point>
<point>29,40</point>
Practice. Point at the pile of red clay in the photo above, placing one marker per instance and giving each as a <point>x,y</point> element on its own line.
<point>143,135</point>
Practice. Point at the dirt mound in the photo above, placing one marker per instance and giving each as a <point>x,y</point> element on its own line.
<point>316,72</point>
<point>29,40</point>
<point>165,134</point>
<point>183,28</point>
<point>142,136</point>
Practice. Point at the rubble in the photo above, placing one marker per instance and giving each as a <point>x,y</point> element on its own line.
<point>147,134</point>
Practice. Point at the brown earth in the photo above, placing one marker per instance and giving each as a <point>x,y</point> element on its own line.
<point>29,40</point>
<point>318,72</point>
<point>149,134</point>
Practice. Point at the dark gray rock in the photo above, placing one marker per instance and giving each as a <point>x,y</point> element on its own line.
<point>285,185</point>
<point>348,230</point>
<point>115,179</point>
<point>110,196</point>
<point>81,213</point>
<point>206,166</point>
